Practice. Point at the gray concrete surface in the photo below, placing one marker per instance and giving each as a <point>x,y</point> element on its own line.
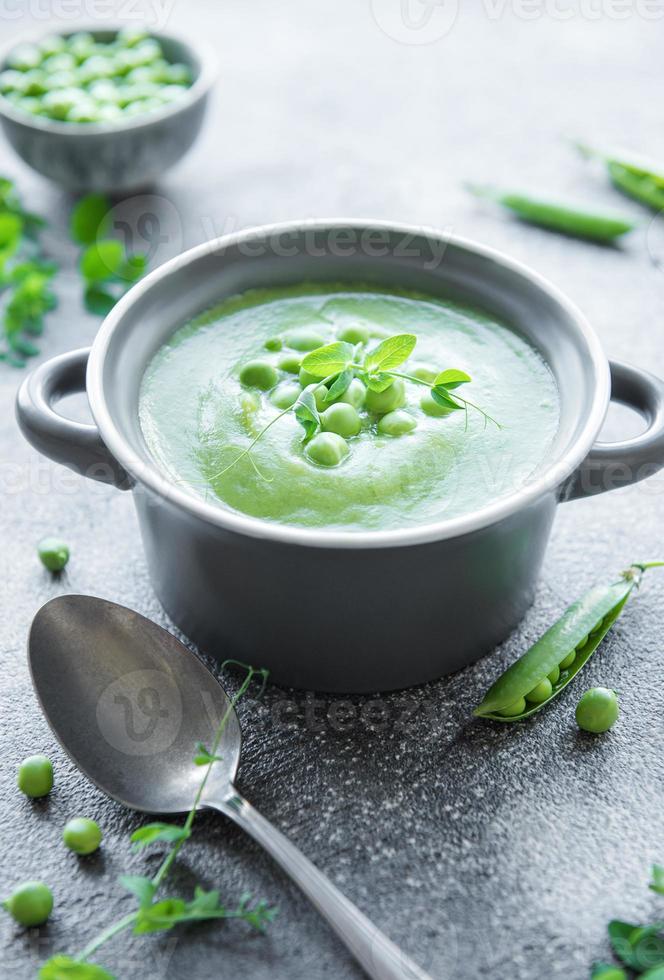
<point>485,851</point>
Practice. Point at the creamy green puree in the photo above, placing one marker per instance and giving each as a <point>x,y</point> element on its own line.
<point>197,415</point>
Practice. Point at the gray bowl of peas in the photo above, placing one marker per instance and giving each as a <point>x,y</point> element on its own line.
<point>103,110</point>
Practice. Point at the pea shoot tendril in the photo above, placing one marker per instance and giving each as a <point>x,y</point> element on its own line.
<point>335,366</point>
<point>157,915</point>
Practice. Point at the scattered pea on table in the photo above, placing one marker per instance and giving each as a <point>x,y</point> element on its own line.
<point>82,835</point>
<point>30,904</point>
<point>53,554</point>
<point>35,776</point>
<point>597,710</point>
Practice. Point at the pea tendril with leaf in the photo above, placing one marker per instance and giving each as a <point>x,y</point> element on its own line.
<point>153,915</point>
<point>337,364</point>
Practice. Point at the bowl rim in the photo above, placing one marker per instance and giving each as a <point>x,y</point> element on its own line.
<point>206,78</point>
<point>148,473</point>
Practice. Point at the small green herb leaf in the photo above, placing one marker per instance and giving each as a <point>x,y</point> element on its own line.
<point>607,971</point>
<point>443,397</point>
<point>160,916</point>
<point>168,832</point>
<point>307,414</point>
<point>98,300</point>
<point>377,382</point>
<point>390,353</point>
<point>142,888</point>
<point>452,378</point>
<point>328,360</point>
<point>134,267</point>
<point>64,968</point>
<point>339,386</point>
<point>102,260</point>
<point>657,883</point>
<point>90,219</point>
<point>204,757</point>
<point>638,947</point>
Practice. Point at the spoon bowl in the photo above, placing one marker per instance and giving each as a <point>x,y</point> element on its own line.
<point>128,702</point>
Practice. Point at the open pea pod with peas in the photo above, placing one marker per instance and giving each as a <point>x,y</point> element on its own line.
<point>556,658</point>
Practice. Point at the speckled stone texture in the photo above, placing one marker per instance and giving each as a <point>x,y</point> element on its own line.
<point>485,851</point>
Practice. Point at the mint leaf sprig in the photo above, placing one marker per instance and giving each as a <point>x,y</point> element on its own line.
<point>107,270</point>
<point>25,278</point>
<point>338,363</point>
<point>166,913</point>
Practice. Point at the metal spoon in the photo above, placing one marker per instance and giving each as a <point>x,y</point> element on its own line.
<point>128,702</point>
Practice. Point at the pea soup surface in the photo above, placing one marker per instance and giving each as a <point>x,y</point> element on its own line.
<point>202,403</point>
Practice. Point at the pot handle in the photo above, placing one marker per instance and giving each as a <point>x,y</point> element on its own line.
<point>610,465</point>
<point>77,445</point>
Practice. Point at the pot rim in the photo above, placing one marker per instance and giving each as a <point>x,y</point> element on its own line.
<point>147,472</point>
<point>200,87</point>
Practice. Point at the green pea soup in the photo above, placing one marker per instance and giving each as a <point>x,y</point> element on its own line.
<point>202,403</point>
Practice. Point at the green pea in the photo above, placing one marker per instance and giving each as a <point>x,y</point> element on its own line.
<point>108,113</point>
<point>355,394</point>
<point>320,396</point>
<point>178,74</point>
<point>327,449</point>
<point>131,36</point>
<point>52,44</point>
<point>87,112</point>
<point>431,407</point>
<point>82,835</point>
<point>58,103</point>
<point>567,661</point>
<point>273,343</point>
<point>382,402</point>
<point>96,66</point>
<point>306,379</point>
<point>24,57</point>
<point>285,394</point>
<point>259,374</point>
<point>148,50</point>
<point>105,90</point>
<point>303,339</point>
<point>169,93</point>
<point>424,373</point>
<point>35,776</point>
<point>12,81</point>
<point>354,335</point>
<point>30,904</point>
<point>517,708</point>
<point>290,363</point>
<point>30,103</point>
<point>540,692</point>
<point>554,675</point>
<point>59,62</point>
<point>53,554</point>
<point>61,79</point>
<point>35,82</point>
<point>597,710</point>
<point>396,423</point>
<point>342,419</point>
<point>81,45</point>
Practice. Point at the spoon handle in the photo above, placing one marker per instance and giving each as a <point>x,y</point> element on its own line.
<point>378,955</point>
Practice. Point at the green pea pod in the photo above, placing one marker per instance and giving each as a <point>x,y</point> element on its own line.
<point>559,215</point>
<point>635,176</point>
<point>579,631</point>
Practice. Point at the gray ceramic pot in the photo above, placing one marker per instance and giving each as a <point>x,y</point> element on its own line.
<point>414,603</point>
<point>114,156</point>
